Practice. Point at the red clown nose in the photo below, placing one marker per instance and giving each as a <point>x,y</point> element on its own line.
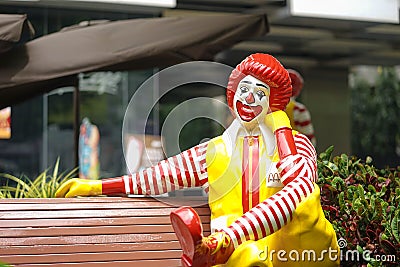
<point>250,98</point>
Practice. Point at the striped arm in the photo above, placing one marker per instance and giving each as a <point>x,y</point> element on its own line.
<point>306,149</point>
<point>271,214</point>
<point>184,170</point>
<point>302,122</point>
<point>276,211</point>
<point>303,164</point>
<point>187,169</point>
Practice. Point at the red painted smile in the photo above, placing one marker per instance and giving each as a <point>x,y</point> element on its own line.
<point>246,112</point>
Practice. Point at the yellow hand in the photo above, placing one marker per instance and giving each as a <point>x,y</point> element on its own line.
<point>79,187</point>
<point>276,120</point>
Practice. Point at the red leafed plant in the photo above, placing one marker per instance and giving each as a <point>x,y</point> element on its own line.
<point>362,203</point>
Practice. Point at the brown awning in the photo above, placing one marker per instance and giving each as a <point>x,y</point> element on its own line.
<point>54,60</point>
<point>14,29</point>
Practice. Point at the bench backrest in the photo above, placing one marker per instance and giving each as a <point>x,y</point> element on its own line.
<point>101,231</point>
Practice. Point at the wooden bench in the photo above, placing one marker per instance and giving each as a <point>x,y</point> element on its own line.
<point>101,231</point>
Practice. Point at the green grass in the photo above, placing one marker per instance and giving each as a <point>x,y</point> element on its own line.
<point>44,185</point>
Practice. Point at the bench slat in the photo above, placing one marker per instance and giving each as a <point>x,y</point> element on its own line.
<point>152,203</point>
<point>92,239</point>
<point>136,263</point>
<point>92,257</point>
<point>82,248</point>
<point>87,239</point>
<point>94,230</point>
<point>9,223</point>
<point>174,201</point>
<point>90,213</point>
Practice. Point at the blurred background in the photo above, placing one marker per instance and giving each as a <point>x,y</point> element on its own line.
<point>349,60</point>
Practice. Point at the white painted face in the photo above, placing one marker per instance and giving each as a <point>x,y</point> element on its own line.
<point>251,101</point>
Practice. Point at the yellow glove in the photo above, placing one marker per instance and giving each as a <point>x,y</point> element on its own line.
<point>277,120</point>
<point>279,123</point>
<point>80,187</point>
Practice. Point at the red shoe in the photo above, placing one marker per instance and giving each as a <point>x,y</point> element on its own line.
<point>189,230</point>
<point>199,251</point>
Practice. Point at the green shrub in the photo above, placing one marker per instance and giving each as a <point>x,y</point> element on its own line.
<point>43,186</point>
<point>362,203</point>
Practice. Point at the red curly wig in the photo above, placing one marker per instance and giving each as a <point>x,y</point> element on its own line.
<point>297,82</point>
<point>267,69</point>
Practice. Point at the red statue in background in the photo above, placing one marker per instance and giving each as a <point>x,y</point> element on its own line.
<point>299,116</point>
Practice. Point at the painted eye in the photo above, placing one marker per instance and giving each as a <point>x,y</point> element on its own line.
<point>260,94</point>
<point>244,89</point>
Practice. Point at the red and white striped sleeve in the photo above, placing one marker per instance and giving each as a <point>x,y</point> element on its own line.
<point>298,172</point>
<point>306,149</point>
<point>187,169</point>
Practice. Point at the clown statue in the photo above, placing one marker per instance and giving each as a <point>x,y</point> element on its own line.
<point>299,116</point>
<point>260,177</point>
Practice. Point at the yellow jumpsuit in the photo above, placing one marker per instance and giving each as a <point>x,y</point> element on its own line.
<point>307,240</point>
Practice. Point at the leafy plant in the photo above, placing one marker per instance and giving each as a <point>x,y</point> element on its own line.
<point>43,186</point>
<point>362,203</point>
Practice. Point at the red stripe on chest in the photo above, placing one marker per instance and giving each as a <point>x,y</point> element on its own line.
<point>255,189</point>
<point>245,176</point>
<point>250,173</point>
